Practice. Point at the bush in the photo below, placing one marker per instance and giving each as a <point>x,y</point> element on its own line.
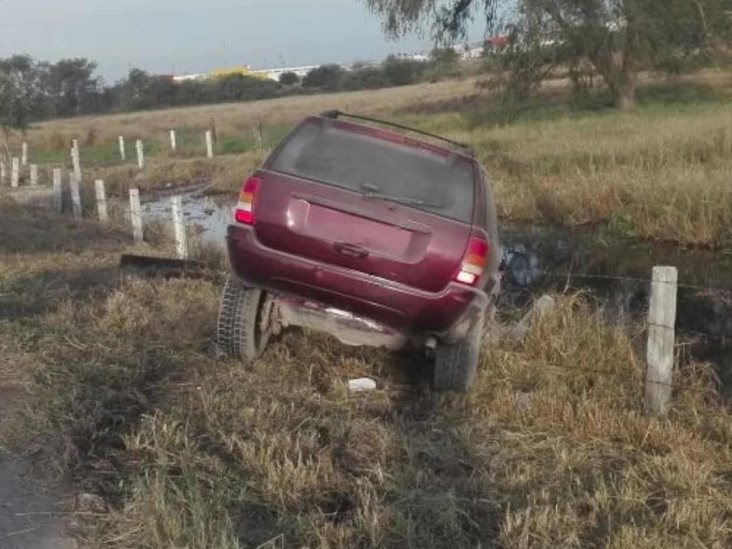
<point>325,77</point>
<point>400,72</point>
<point>366,78</point>
<point>289,78</point>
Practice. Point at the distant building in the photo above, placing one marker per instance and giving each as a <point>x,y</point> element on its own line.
<point>418,56</point>
<point>466,51</point>
<point>495,43</point>
<point>242,70</point>
<point>274,74</point>
<point>190,77</point>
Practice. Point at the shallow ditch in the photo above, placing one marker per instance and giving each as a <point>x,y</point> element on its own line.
<point>539,259</point>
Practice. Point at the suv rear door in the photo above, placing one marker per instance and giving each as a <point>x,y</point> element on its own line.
<point>368,200</point>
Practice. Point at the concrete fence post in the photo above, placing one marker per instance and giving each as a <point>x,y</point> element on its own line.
<point>259,135</point>
<point>76,162</point>
<point>34,174</point>
<point>209,144</point>
<point>173,141</point>
<point>140,154</point>
<point>15,172</point>
<point>24,154</point>
<point>101,201</point>
<point>75,195</point>
<point>3,171</point>
<point>58,190</point>
<point>136,215</point>
<point>661,339</point>
<point>179,226</point>
<point>122,152</point>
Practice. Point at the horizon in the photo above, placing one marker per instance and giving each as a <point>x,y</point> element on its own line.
<point>221,34</point>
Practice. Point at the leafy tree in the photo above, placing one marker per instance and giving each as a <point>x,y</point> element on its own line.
<point>618,38</point>
<point>21,97</point>
<point>366,78</point>
<point>135,91</point>
<point>400,72</point>
<point>446,57</point>
<point>444,63</point>
<point>71,86</point>
<point>289,78</point>
<point>239,87</point>
<point>325,77</point>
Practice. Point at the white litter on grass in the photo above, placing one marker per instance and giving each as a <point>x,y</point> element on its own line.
<point>361,385</point>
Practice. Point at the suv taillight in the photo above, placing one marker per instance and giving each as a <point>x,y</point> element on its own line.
<point>474,262</point>
<point>244,212</point>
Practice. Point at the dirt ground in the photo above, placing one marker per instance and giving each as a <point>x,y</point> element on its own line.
<point>32,511</point>
<point>31,502</point>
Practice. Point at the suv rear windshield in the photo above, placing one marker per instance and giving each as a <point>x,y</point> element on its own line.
<point>325,152</point>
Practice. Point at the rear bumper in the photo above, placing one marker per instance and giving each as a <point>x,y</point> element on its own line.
<point>446,314</point>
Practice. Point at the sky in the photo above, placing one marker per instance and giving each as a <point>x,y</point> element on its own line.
<point>184,36</point>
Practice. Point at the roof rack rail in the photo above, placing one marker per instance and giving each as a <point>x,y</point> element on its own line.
<point>336,114</point>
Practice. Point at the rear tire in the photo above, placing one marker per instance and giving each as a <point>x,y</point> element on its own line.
<point>455,365</point>
<point>240,331</point>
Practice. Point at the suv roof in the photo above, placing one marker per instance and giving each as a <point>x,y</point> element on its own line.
<point>464,149</point>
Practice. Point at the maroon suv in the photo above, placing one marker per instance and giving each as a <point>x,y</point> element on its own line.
<point>373,236</point>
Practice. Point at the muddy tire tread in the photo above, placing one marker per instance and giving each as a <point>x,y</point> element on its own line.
<point>236,332</point>
<point>455,365</point>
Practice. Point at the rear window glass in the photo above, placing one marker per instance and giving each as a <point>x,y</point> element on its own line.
<point>370,165</point>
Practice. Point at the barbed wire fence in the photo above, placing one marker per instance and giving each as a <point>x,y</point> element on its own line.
<point>663,284</point>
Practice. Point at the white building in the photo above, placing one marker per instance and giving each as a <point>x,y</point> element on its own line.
<point>190,77</point>
<point>274,74</point>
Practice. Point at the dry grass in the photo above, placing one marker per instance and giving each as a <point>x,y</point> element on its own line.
<point>238,118</point>
<point>193,451</point>
<point>224,173</point>
<point>661,173</point>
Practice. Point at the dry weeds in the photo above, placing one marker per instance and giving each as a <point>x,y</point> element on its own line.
<point>193,451</point>
<point>661,173</point>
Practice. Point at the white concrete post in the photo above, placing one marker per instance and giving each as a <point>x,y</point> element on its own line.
<point>661,339</point>
<point>57,190</point>
<point>209,144</point>
<point>140,154</point>
<point>181,239</point>
<point>24,154</point>
<point>136,215</point>
<point>75,195</point>
<point>76,162</point>
<point>15,172</point>
<point>122,152</point>
<point>259,135</point>
<point>101,201</point>
<point>3,171</point>
<point>173,141</point>
<point>33,174</point>
<point>75,144</point>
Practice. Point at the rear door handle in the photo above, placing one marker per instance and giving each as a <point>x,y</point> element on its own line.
<point>350,250</point>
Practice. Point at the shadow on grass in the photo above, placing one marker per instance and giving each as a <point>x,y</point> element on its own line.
<point>35,230</point>
<point>43,291</point>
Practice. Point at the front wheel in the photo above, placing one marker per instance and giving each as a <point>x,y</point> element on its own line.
<point>243,327</point>
<point>455,365</point>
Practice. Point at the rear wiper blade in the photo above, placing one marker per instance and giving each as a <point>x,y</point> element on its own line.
<point>405,200</point>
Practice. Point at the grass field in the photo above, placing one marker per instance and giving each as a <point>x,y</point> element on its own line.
<point>661,173</point>
<point>120,382</point>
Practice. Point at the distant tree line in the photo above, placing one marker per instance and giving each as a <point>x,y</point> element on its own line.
<point>33,90</point>
<point>613,39</point>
